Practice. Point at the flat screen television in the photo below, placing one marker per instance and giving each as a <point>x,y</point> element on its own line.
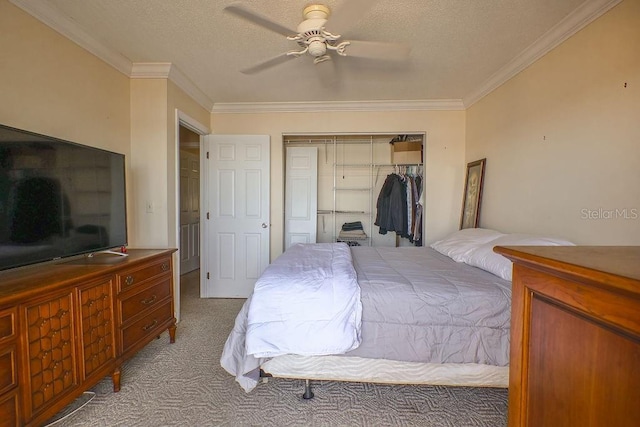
<point>57,199</point>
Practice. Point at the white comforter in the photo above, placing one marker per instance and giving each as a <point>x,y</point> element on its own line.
<point>306,302</point>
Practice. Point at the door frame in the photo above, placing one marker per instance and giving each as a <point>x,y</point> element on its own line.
<point>183,119</point>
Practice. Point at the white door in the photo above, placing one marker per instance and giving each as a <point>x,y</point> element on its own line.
<point>189,211</point>
<point>301,195</point>
<point>236,214</point>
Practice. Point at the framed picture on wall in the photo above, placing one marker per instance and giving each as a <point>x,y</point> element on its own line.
<point>472,198</point>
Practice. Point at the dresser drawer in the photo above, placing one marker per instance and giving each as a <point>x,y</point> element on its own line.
<point>141,301</point>
<point>130,278</point>
<point>8,371</point>
<point>7,324</point>
<point>9,410</point>
<point>147,326</point>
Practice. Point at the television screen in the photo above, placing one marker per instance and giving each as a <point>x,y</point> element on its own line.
<point>57,199</point>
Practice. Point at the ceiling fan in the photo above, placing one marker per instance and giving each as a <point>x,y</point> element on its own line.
<point>315,40</point>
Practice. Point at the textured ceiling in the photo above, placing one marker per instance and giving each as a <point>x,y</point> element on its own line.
<point>456,45</point>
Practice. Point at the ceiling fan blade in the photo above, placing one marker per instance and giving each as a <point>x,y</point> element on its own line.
<point>378,50</point>
<point>272,62</point>
<point>244,12</point>
<point>347,14</point>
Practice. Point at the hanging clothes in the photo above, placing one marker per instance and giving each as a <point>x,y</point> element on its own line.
<point>392,206</point>
<point>399,206</point>
<point>417,226</point>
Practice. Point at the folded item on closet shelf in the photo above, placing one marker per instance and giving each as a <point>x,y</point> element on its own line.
<point>348,226</point>
<point>352,235</point>
<point>349,242</point>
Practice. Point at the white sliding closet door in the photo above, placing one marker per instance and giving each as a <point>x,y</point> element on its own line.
<point>301,198</point>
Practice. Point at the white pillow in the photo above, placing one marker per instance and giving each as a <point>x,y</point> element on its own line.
<point>485,258</point>
<point>457,244</point>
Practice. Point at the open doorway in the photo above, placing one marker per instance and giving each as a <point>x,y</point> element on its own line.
<point>189,143</point>
<point>188,138</point>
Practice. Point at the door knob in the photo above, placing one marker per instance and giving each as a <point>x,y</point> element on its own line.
<point>264,225</point>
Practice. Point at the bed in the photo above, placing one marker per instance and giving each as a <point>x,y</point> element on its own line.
<point>426,316</point>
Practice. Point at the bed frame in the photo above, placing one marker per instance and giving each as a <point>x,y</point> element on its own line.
<point>381,371</point>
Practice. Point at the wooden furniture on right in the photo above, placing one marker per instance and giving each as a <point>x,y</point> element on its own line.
<point>575,336</point>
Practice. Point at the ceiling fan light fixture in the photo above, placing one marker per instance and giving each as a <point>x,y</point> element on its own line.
<point>317,47</point>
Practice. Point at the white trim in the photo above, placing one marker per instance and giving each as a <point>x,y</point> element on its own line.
<point>578,19</point>
<point>182,119</point>
<point>167,70</point>
<point>54,19</point>
<point>314,107</point>
<point>365,135</point>
<point>183,82</point>
<point>191,123</point>
<point>150,70</point>
<point>574,22</point>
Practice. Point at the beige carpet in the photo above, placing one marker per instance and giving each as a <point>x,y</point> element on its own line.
<point>182,384</point>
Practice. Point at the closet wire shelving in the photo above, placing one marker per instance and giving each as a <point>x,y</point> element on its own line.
<point>371,166</point>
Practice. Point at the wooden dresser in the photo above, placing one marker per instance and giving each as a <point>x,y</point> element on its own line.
<point>575,336</point>
<point>66,325</point>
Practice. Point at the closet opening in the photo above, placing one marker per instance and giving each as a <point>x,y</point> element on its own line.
<point>333,185</point>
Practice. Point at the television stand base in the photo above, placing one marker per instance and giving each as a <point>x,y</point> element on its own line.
<point>107,252</point>
<point>100,257</point>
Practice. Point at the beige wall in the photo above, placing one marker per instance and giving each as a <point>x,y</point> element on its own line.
<point>148,184</point>
<point>154,135</point>
<point>445,134</point>
<point>50,85</point>
<point>562,139</point>
<point>178,100</point>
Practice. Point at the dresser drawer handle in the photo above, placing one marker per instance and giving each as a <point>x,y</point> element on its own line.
<point>150,325</point>
<point>128,280</point>
<point>165,266</point>
<point>149,300</point>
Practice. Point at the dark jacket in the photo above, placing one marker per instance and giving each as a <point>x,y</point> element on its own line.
<point>392,206</point>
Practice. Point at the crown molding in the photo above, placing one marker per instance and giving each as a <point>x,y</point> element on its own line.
<point>578,19</point>
<point>571,24</point>
<point>151,70</point>
<point>190,88</point>
<point>167,70</point>
<point>52,17</point>
<point>316,107</point>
